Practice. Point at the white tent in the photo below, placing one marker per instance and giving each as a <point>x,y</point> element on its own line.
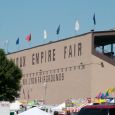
<point>59,107</point>
<point>15,105</point>
<point>34,111</point>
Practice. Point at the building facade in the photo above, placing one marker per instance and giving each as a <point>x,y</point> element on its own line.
<point>70,68</point>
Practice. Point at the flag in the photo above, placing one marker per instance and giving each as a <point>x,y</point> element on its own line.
<point>113,90</point>
<point>107,94</point>
<point>110,90</point>
<point>77,25</point>
<point>58,30</point>
<point>28,37</point>
<point>102,95</point>
<point>99,95</point>
<point>94,20</point>
<point>17,41</point>
<point>45,34</point>
<point>5,44</point>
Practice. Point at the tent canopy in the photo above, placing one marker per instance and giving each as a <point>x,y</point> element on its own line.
<point>15,105</point>
<point>34,111</point>
<point>59,107</point>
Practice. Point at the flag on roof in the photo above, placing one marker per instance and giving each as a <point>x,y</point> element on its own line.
<point>45,34</point>
<point>77,25</point>
<point>107,94</point>
<point>28,37</point>
<point>17,41</point>
<point>94,20</point>
<point>58,30</point>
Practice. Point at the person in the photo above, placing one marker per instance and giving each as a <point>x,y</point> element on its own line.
<point>17,112</point>
<point>56,113</point>
<point>68,113</point>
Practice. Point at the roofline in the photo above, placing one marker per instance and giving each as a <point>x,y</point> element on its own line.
<point>51,42</point>
<point>105,31</point>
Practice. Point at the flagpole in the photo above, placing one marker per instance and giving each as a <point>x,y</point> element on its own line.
<point>58,37</point>
<point>75,32</point>
<point>18,48</point>
<point>45,91</point>
<point>30,41</point>
<point>29,45</point>
<point>94,27</point>
<point>7,46</point>
<point>17,43</point>
<point>58,31</point>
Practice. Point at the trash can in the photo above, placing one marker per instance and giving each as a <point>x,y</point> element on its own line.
<point>11,113</point>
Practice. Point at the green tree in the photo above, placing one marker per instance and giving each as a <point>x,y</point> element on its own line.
<point>10,78</point>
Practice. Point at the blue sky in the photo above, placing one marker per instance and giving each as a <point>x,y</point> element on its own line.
<point>18,18</point>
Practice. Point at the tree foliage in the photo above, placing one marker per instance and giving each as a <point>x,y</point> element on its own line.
<point>10,78</point>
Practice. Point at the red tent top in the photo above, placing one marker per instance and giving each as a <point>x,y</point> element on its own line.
<point>102,106</point>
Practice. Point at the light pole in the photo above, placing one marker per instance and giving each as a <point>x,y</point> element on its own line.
<point>45,89</point>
